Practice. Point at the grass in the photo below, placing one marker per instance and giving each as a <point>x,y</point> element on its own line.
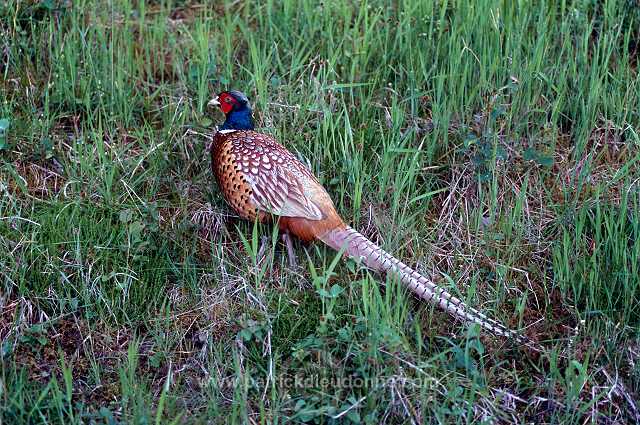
<point>493,145</point>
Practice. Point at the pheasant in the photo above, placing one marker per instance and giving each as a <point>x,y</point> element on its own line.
<point>260,179</point>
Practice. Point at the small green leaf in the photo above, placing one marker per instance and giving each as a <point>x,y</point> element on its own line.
<point>498,112</point>
<point>307,415</point>
<point>6,348</point>
<point>344,334</point>
<point>126,215</point>
<point>545,160</point>
<point>336,290</point>
<point>106,414</point>
<point>245,334</point>
<point>351,266</point>
<point>155,360</point>
<point>353,416</point>
<point>136,228</point>
<point>531,154</point>
<point>323,293</point>
<point>47,4</point>
<point>470,139</point>
<point>275,81</point>
<point>4,125</point>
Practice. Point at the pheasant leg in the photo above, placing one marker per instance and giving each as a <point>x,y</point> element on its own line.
<point>264,243</point>
<point>291,255</point>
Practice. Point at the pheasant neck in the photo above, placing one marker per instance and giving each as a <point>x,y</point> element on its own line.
<point>238,120</point>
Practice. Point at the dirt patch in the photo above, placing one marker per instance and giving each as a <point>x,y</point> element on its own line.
<point>98,355</point>
<point>42,180</point>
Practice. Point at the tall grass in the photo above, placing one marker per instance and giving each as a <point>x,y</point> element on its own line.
<point>494,145</point>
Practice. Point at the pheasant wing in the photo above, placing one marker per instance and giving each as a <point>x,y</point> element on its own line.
<point>286,192</point>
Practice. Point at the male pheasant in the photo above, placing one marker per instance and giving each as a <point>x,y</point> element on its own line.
<point>262,180</point>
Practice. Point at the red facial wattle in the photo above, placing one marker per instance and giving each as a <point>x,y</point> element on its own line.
<point>225,106</point>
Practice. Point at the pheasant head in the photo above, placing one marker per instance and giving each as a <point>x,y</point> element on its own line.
<point>236,108</point>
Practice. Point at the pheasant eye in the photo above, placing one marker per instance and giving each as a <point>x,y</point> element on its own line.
<point>226,103</point>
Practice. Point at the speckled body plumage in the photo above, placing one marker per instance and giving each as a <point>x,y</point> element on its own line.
<point>260,178</point>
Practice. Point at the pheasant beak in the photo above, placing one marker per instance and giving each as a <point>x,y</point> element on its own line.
<point>214,102</point>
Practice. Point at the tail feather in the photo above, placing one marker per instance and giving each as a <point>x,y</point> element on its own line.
<point>359,247</point>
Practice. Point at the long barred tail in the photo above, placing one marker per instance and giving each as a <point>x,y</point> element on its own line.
<point>359,247</point>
